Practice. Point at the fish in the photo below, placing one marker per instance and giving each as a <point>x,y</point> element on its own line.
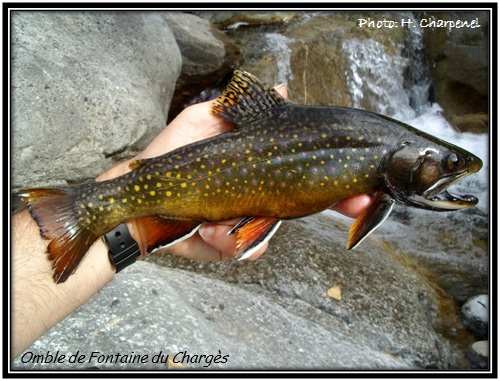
<point>281,161</point>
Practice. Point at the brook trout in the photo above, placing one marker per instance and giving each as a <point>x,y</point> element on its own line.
<point>282,161</point>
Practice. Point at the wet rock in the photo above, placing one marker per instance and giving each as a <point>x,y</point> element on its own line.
<point>476,315</point>
<point>232,19</point>
<point>88,88</point>
<point>459,61</point>
<point>207,56</point>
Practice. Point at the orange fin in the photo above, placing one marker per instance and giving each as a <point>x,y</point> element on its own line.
<point>252,233</point>
<point>157,231</point>
<point>371,218</point>
<point>54,212</point>
<point>246,99</point>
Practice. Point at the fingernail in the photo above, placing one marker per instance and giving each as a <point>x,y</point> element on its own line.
<point>280,86</point>
<point>207,232</point>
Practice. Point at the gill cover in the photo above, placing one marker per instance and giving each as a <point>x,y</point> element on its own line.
<point>420,175</point>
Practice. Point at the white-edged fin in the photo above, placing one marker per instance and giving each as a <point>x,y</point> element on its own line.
<point>157,231</point>
<point>252,233</point>
<point>188,235</point>
<point>371,218</point>
<point>242,222</point>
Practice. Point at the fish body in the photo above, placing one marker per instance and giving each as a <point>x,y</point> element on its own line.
<point>282,161</point>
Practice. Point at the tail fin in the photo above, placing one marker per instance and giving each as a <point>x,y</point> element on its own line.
<point>55,211</point>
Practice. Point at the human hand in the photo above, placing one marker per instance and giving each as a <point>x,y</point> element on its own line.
<point>212,243</point>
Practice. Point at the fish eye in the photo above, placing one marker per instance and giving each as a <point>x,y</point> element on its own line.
<point>453,161</point>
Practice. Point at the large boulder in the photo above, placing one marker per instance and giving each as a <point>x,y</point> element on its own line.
<point>274,313</point>
<point>88,89</point>
<point>208,55</point>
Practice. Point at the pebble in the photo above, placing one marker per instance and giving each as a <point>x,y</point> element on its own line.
<point>478,354</point>
<point>475,314</point>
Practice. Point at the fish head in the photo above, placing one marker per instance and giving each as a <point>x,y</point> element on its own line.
<point>420,172</point>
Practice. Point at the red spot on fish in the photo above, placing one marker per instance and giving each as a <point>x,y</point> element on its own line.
<point>244,171</point>
<point>278,158</point>
<point>260,150</point>
<point>200,177</point>
<point>299,169</point>
<point>188,166</point>
<point>315,170</point>
<point>285,145</point>
<point>283,185</point>
<point>238,155</point>
<point>288,174</point>
<point>356,166</point>
<point>332,169</point>
<point>228,170</point>
<point>263,170</point>
<point>212,163</point>
<point>277,171</point>
<point>217,182</point>
<point>271,183</point>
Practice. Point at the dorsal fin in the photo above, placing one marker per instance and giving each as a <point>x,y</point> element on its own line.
<point>246,99</point>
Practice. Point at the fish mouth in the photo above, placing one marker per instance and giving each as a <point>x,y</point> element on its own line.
<point>438,197</point>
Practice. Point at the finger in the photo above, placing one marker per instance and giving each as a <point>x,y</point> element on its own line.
<point>353,206</point>
<point>216,236</point>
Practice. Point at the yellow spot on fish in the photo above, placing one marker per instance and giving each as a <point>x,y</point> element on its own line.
<point>183,185</point>
<point>111,200</point>
<point>146,186</point>
<point>141,179</point>
<point>207,186</point>
<point>137,188</point>
<point>347,186</point>
<point>178,176</point>
<point>90,205</point>
<point>335,183</point>
<point>124,200</point>
<point>139,201</point>
<point>271,140</point>
<point>379,139</point>
<point>354,180</point>
<point>323,136</point>
<point>101,208</point>
<point>168,174</point>
<point>361,138</point>
<point>169,193</point>
<point>152,193</point>
<point>158,185</point>
<point>94,217</point>
<point>148,177</point>
<point>101,197</point>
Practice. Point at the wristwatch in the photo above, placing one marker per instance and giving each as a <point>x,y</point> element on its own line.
<point>123,249</point>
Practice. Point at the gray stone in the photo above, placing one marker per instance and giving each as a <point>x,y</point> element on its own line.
<point>479,354</point>
<point>88,88</point>
<point>476,315</point>
<point>270,314</point>
<point>208,55</point>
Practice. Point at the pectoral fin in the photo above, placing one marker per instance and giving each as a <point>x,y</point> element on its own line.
<point>163,232</point>
<point>252,233</point>
<point>371,218</point>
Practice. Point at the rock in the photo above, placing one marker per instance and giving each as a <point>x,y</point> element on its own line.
<point>476,315</point>
<point>88,88</point>
<point>479,354</point>
<point>232,19</point>
<point>459,62</point>
<point>273,313</point>
<point>207,56</point>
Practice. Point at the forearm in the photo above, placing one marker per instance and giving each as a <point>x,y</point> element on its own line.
<point>38,303</point>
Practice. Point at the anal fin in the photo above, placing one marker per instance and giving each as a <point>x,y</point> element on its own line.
<point>252,233</point>
<point>371,218</point>
<point>162,232</point>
